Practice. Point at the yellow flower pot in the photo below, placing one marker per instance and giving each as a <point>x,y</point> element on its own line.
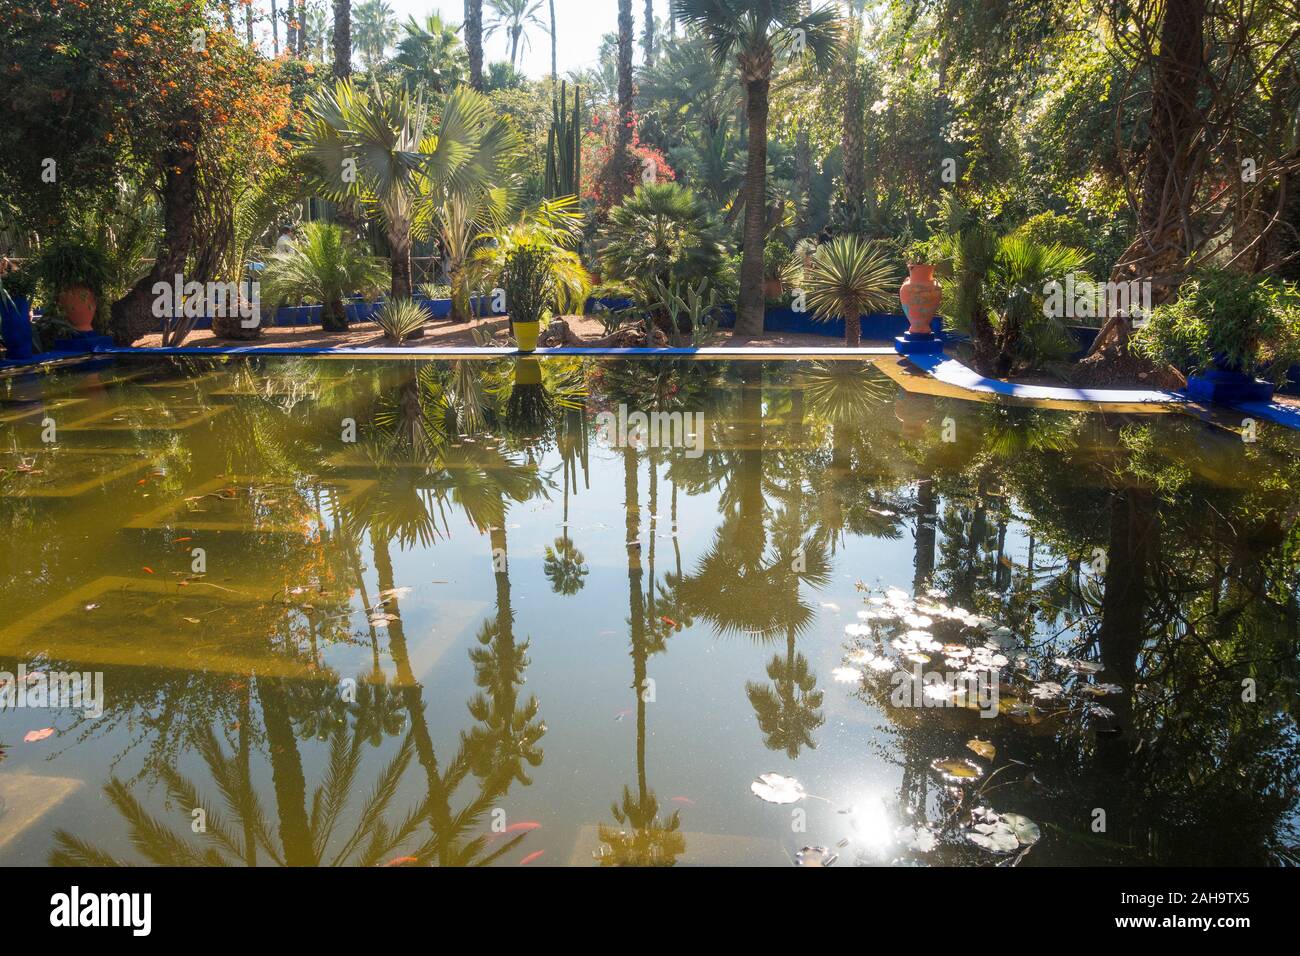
<point>526,334</point>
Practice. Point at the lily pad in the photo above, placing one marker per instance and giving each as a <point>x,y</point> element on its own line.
<point>774,788</point>
<point>815,856</point>
<point>957,770</point>
<point>983,748</point>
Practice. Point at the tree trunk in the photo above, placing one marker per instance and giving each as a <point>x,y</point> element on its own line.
<point>302,29</point>
<point>648,39</point>
<point>851,141</point>
<point>287,778</point>
<point>749,321</point>
<point>342,39</point>
<point>291,28</point>
<point>1161,247</point>
<point>248,24</point>
<point>474,41</point>
<point>132,315</point>
<point>555,73</point>
<point>275,29</point>
<point>853,331</point>
<point>621,183</point>
<point>399,241</point>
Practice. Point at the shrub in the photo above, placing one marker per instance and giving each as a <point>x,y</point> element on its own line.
<point>1244,322</point>
<point>322,266</point>
<point>1050,228</point>
<point>528,283</point>
<point>662,233</point>
<point>401,319</point>
<point>848,277</point>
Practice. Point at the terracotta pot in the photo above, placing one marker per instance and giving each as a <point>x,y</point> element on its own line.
<point>920,296</point>
<point>773,288</point>
<point>79,306</point>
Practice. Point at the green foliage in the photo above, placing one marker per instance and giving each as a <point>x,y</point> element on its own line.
<point>776,254</point>
<point>401,319</point>
<point>322,266</point>
<point>1241,320</point>
<point>564,146</point>
<point>18,283</point>
<point>849,277</point>
<point>70,262</point>
<point>554,227</point>
<point>662,233</point>
<point>430,55</point>
<point>528,283</point>
<point>1050,228</point>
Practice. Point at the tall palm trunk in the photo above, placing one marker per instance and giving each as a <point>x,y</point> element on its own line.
<point>803,178</point>
<point>555,73</point>
<point>474,41</point>
<point>399,241</point>
<point>648,39</point>
<point>622,184</point>
<point>758,81</point>
<point>851,141</point>
<point>287,777</point>
<point>342,38</point>
<point>248,24</point>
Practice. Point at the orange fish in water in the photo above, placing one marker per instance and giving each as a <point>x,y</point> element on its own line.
<point>147,570</point>
<point>684,801</point>
<point>522,827</point>
<point>179,540</point>
<point>402,861</point>
<point>536,854</point>
<point>670,622</point>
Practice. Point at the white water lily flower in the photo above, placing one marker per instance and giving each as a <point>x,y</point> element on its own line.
<point>774,788</point>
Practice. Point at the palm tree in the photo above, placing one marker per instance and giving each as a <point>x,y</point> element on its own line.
<point>755,33</point>
<point>430,55</point>
<point>648,37</point>
<point>324,267</point>
<point>555,75</point>
<point>621,180</point>
<point>368,147</point>
<point>513,17</point>
<point>375,30</point>
<point>342,39</point>
<point>474,41</point>
<point>849,277</point>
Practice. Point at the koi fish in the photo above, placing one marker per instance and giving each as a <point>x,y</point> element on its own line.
<point>536,854</point>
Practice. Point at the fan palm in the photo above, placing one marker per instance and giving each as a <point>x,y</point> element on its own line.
<point>324,267</point>
<point>849,277</point>
<point>754,33</point>
<point>373,30</point>
<point>431,55</point>
<point>513,18</point>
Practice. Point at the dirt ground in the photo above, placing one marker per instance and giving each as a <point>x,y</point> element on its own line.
<point>441,333</point>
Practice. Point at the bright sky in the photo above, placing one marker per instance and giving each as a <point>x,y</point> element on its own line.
<point>580,25</point>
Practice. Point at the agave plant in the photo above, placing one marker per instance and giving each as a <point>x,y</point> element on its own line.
<point>323,267</point>
<point>849,277</point>
<point>401,319</point>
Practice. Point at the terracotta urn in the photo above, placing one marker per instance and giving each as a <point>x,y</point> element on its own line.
<point>79,306</point>
<point>920,296</point>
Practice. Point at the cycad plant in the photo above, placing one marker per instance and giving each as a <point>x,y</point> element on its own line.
<point>322,266</point>
<point>849,277</point>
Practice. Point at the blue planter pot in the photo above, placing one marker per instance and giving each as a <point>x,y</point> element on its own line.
<point>16,328</point>
<point>1228,385</point>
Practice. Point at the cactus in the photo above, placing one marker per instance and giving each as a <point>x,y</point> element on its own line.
<point>564,146</point>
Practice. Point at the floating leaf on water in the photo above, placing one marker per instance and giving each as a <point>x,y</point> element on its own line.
<point>1100,690</point>
<point>994,837</point>
<point>774,788</point>
<point>815,856</point>
<point>831,606</point>
<point>847,675</point>
<point>1078,666</point>
<point>394,593</point>
<point>1025,829</point>
<point>918,838</point>
<point>957,770</point>
<point>983,748</point>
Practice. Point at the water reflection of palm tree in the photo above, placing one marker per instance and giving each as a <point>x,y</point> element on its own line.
<point>302,838</point>
<point>642,838</point>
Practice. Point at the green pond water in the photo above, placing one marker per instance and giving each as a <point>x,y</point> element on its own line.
<point>371,612</point>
